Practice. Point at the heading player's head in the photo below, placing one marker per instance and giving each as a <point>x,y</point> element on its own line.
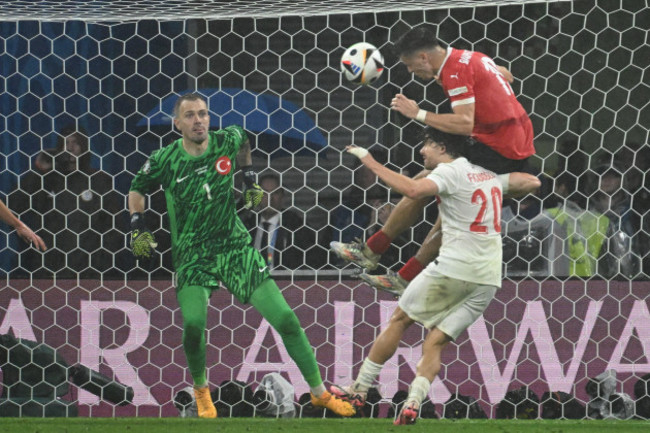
<point>191,117</point>
<point>421,52</point>
<point>438,146</point>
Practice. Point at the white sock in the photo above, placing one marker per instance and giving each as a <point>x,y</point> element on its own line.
<point>419,390</point>
<point>318,390</point>
<point>367,375</point>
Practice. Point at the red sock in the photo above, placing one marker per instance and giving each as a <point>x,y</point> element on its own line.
<point>379,242</point>
<point>411,269</point>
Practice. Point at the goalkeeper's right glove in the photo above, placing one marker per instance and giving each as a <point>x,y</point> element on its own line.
<point>142,241</point>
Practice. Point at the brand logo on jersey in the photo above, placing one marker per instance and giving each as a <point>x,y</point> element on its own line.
<point>454,76</point>
<point>223,165</point>
<point>458,91</point>
<point>180,179</point>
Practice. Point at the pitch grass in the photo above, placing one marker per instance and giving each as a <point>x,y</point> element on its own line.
<point>269,425</point>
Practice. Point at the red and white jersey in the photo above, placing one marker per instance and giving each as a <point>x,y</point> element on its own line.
<point>500,122</point>
<point>469,202</point>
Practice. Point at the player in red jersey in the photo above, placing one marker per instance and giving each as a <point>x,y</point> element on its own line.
<point>483,103</point>
<point>484,108</point>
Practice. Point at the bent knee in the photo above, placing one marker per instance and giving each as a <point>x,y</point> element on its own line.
<point>193,329</point>
<point>400,318</point>
<point>288,323</point>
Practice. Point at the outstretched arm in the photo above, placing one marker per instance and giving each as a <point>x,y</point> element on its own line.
<point>411,188</point>
<point>23,231</point>
<point>519,184</point>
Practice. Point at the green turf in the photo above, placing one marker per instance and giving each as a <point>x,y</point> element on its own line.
<point>266,425</point>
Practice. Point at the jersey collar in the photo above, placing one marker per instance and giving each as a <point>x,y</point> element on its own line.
<point>444,62</point>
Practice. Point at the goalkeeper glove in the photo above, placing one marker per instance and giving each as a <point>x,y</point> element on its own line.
<point>142,241</point>
<point>253,193</point>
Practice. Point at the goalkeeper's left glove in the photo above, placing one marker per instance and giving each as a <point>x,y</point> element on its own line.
<point>253,193</point>
<point>142,241</point>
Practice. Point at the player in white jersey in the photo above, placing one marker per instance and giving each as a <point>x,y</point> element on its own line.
<point>454,290</point>
<point>470,204</point>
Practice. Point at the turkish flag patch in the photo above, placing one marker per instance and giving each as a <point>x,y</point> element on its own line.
<point>223,165</point>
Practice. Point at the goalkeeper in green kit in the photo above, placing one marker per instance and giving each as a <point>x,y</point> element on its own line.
<point>210,243</point>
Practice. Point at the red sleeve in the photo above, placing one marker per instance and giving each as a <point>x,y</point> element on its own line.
<point>458,83</point>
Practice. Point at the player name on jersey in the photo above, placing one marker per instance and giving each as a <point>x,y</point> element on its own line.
<point>480,177</point>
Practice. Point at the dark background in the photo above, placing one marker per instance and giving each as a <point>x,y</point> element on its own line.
<point>581,72</point>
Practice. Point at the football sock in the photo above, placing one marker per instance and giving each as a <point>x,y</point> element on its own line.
<point>268,300</point>
<point>367,375</point>
<point>193,301</point>
<point>379,242</point>
<point>318,390</point>
<point>419,389</point>
<point>411,269</point>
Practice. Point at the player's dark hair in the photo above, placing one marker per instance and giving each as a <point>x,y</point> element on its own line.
<point>186,97</point>
<point>455,145</point>
<point>420,38</point>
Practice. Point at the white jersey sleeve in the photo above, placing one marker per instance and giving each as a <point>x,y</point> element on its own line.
<point>505,182</point>
<point>444,176</point>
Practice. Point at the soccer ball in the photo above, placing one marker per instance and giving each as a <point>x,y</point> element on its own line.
<point>362,63</point>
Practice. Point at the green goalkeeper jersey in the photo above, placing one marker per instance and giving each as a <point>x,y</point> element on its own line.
<point>199,194</point>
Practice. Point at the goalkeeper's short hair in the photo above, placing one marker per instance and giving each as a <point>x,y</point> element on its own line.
<point>187,97</point>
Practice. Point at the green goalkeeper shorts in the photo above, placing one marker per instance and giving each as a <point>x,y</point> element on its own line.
<point>241,270</point>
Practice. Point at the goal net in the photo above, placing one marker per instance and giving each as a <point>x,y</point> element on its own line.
<point>87,94</point>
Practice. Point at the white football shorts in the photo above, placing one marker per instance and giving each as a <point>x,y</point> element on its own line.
<point>451,305</point>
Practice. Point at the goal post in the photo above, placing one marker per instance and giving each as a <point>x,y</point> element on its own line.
<point>574,258</point>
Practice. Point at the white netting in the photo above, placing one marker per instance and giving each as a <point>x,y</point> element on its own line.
<point>574,301</point>
<point>128,10</point>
